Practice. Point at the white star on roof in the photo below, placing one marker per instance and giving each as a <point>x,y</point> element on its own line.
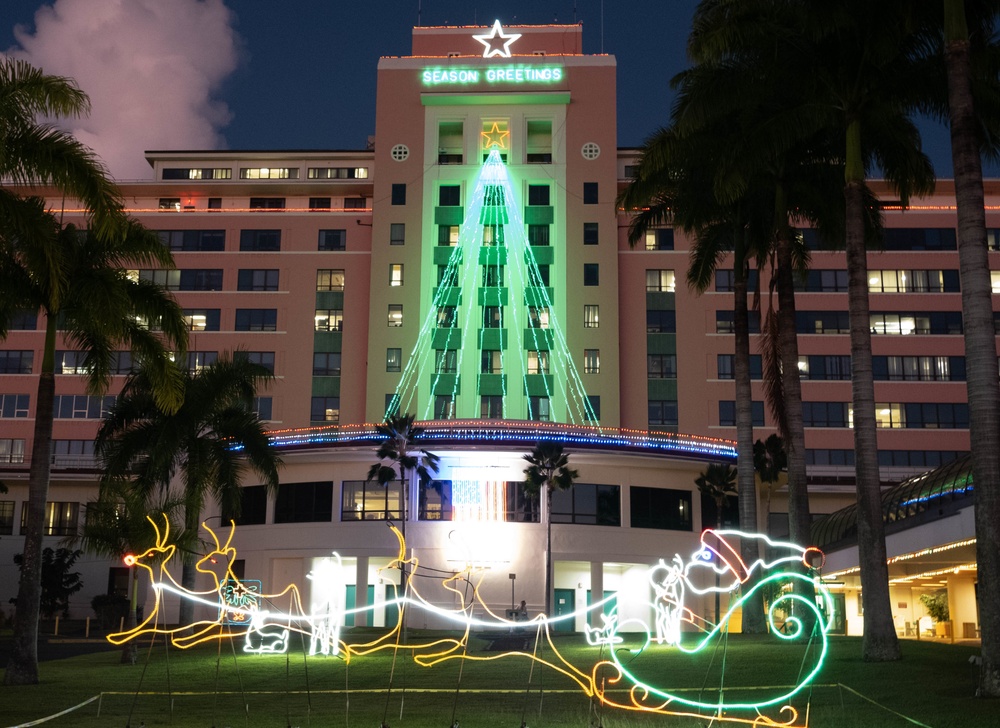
<point>495,42</point>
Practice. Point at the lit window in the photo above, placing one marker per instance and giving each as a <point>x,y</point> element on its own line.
<point>395,314</point>
<point>660,280</point>
<point>328,279</point>
<point>395,274</point>
<point>329,319</point>
<point>325,409</point>
<point>591,361</point>
<point>591,316</point>
<point>538,362</point>
<point>393,360</point>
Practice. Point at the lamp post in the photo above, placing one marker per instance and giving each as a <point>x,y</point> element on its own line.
<point>512,578</point>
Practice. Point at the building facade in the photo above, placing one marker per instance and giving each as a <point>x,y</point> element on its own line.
<point>471,265</point>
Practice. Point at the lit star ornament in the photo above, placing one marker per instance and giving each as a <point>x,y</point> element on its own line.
<point>495,137</point>
<point>495,42</point>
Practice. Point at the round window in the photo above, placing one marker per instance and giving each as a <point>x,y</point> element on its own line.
<point>399,152</point>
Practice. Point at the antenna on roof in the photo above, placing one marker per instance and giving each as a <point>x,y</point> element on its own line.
<point>419,2</point>
<point>602,26</point>
<point>574,12</point>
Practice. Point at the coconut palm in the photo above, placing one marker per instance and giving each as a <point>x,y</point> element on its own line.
<point>548,469</point>
<point>210,442</point>
<point>401,457</point>
<point>34,152</point>
<point>717,482</point>
<point>769,462</point>
<point>973,113</point>
<point>77,280</point>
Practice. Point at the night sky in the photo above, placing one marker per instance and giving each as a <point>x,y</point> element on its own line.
<point>301,74</point>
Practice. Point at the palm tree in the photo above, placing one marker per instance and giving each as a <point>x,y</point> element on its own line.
<point>34,152</point>
<point>117,526</point>
<point>548,469</point>
<point>718,482</point>
<point>400,456</point>
<point>769,462</point>
<point>962,50</point>
<point>209,442</point>
<point>78,282</point>
<point>848,75</point>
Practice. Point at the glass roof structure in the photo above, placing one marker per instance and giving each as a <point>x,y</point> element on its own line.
<point>922,498</point>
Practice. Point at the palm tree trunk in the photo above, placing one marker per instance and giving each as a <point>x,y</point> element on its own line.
<point>192,518</point>
<point>799,520</point>
<point>753,609</point>
<point>22,668</point>
<point>129,651</point>
<point>980,343</point>
<point>548,549</point>
<point>406,550</point>
<point>880,642</point>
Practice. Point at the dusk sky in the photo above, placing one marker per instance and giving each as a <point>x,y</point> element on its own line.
<point>259,74</point>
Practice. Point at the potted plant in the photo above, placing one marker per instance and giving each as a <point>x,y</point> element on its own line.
<point>936,605</point>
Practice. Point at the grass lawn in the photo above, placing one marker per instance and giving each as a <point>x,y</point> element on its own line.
<point>205,687</point>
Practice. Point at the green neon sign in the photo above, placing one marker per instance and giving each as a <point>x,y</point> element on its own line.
<point>500,74</point>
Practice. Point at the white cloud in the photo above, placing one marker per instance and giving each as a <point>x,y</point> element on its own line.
<point>150,67</point>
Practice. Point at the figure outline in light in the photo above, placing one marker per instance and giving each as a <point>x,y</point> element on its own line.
<point>496,43</point>
<point>674,626</point>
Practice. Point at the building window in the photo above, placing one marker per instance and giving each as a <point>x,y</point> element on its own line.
<point>727,413</point>
<point>491,362</point>
<point>398,193</point>
<point>393,360</point>
<point>434,500</point>
<point>198,360</point>
<point>538,362</point>
<point>920,239</point>
<point>260,358</point>
<point>538,317</point>
<point>661,508</point>
<point>493,235</point>
<point>538,275</point>
<point>590,233</point>
<point>661,321</point>
<point>214,203</point>
<point>662,413</point>
<point>71,362</point>
<point>905,324</point>
<point>449,196</point>
<point>538,195</point>
<point>262,407</point>
<point>725,280</point>
<point>725,322</point>
<point>660,239</point>
<point>267,203</point>
<point>491,407</point>
<point>330,279</point>
<point>190,279</point>
<point>395,315</point>
<point>826,414</point>
<point>591,274</point>
<point>397,233</point>
<point>23,321</point>
<point>493,276</point>
<point>253,507</point>
<point>268,173</point>
<point>325,409</point>
<point>329,319</point>
<point>660,280</point>
<point>202,319</point>
<point>447,317</point>
<point>368,501</point>
<point>918,368</point>
<point>448,235</point>
<point>727,366</point>
<point>256,319</point>
<point>591,316</point>
<point>202,174</point>
<point>589,193</point>
<point>355,203</point>
<point>539,409</point>
<point>319,203</point>
<point>538,235</point>
<point>492,317</point>
<point>936,415</point>
<point>888,416</point>
<point>337,172</point>
<point>661,366</point>
<point>81,406</point>
<point>445,361</point>
<point>73,453</point>
<point>820,322</point>
<point>257,279</point>
<point>594,407</point>
<point>829,367</point>
<point>589,504</point>
<point>193,241</point>
<point>304,503</point>
<point>913,281</point>
<point>332,240</point>
<point>326,364</point>
<point>444,407</point>
<point>395,274</point>
<point>170,203</point>
<point>6,518</point>
<point>391,404</point>
<point>591,361</point>
<point>60,518</point>
<point>260,240</point>
<point>11,450</point>
<point>16,361</point>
